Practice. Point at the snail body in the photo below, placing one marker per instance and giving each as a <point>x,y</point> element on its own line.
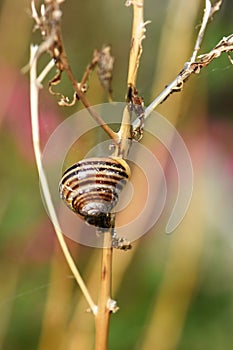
<point>91,188</point>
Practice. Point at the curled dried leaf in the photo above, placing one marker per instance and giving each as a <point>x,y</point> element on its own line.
<point>55,81</point>
<point>63,100</point>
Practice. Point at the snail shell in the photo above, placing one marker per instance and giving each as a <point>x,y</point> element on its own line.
<point>92,186</point>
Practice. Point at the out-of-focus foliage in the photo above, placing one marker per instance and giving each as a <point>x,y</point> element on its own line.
<point>174,292</point>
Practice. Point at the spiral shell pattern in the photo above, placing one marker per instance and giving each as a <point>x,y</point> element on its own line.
<point>92,186</point>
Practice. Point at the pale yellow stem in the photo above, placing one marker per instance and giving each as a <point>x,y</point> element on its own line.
<point>34,95</point>
<point>138,34</point>
<point>102,317</point>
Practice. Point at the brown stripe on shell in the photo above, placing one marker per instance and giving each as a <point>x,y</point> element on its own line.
<point>92,186</point>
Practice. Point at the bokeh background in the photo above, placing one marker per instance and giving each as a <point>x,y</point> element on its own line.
<point>174,292</point>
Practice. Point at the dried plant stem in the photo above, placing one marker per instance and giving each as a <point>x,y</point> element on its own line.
<point>138,34</point>
<point>89,69</point>
<point>45,71</point>
<point>206,16</point>
<point>102,317</point>
<point>53,43</point>
<point>104,304</point>
<point>225,45</point>
<point>81,95</point>
<point>34,96</point>
<point>195,63</point>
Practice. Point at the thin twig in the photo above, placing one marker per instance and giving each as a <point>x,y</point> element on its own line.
<point>225,45</point>
<point>89,69</point>
<point>206,17</point>
<point>45,71</point>
<point>104,62</point>
<point>81,95</point>
<point>208,13</point>
<point>34,95</point>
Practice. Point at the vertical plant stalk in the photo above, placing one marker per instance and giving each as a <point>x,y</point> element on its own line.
<point>34,97</point>
<point>105,304</point>
<point>138,34</point>
<point>102,317</point>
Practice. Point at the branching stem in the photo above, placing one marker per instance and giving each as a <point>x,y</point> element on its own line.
<point>195,63</point>
<point>81,95</point>
<point>53,43</point>
<point>206,16</point>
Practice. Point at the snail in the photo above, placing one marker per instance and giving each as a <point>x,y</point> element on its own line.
<point>91,188</point>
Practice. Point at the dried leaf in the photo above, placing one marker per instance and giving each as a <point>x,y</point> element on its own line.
<point>63,100</point>
<point>105,67</point>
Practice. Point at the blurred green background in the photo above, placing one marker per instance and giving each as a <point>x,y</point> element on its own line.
<point>174,292</point>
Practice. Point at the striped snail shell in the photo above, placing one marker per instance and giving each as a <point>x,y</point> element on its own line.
<point>92,186</point>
